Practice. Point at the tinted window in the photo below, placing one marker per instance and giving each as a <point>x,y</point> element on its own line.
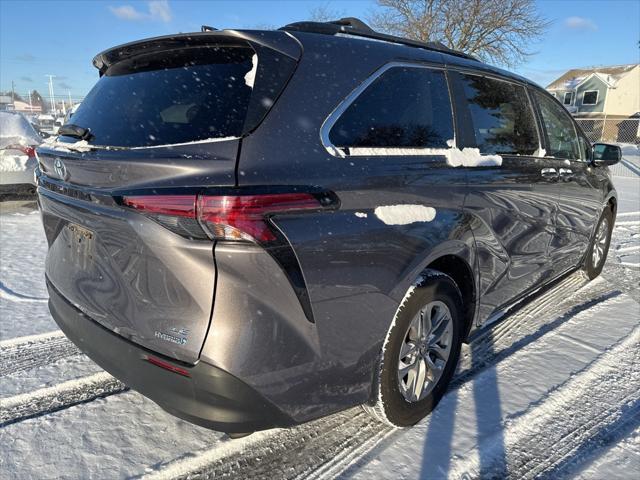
<point>404,107</point>
<point>176,97</point>
<point>568,98</point>
<point>590,97</point>
<point>503,121</point>
<point>563,140</point>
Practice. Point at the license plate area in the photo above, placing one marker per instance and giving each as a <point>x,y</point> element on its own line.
<point>81,241</point>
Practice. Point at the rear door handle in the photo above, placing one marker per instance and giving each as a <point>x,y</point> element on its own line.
<point>549,172</point>
<point>566,173</point>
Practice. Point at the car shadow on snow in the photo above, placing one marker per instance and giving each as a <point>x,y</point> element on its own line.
<point>438,448</point>
<point>437,452</point>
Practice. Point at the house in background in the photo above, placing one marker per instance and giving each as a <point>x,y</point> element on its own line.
<point>612,92</point>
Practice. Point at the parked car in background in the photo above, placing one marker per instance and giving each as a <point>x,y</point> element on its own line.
<point>57,123</point>
<point>18,140</point>
<point>256,237</point>
<point>46,123</point>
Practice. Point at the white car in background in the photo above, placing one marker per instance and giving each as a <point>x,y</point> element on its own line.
<point>18,140</point>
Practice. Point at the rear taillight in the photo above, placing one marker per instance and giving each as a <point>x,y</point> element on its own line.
<point>173,205</point>
<point>27,150</point>
<point>244,217</point>
<point>225,217</point>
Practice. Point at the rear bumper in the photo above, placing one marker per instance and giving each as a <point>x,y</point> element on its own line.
<point>209,396</point>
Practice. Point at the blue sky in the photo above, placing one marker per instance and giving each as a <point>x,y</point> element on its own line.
<point>61,37</point>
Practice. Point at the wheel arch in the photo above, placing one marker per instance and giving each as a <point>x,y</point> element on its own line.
<point>462,274</point>
<point>456,259</point>
<point>612,203</point>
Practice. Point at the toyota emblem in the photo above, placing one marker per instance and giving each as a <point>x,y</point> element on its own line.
<point>60,169</point>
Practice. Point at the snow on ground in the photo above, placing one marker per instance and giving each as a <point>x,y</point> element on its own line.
<point>22,289</point>
<point>553,391</point>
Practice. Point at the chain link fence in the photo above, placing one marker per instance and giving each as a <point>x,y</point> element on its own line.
<point>612,130</point>
<point>622,131</point>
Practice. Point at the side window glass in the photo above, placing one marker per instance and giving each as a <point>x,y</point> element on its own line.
<point>404,107</point>
<point>503,121</point>
<point>585,149</point>
<point>563,139</point>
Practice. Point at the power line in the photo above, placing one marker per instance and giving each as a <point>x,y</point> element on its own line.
<point>51,95</point>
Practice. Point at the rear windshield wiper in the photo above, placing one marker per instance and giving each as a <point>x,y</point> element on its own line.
<point>75,131</point>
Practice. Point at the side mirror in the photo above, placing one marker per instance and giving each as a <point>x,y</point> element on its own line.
<point>606,154</point>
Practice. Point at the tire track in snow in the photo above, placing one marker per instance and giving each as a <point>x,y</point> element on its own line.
<point>599,442</point>
<point>324,448</point>
<point>488,356</point>
<point>556,297</point>
<point>9,294</point>
<point>64,395</point>
<point>26,353</point>
<point>544,436</point>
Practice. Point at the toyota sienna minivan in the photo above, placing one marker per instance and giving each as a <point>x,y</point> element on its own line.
<point>258,228</point>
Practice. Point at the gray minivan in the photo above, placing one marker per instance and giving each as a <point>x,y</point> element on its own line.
<point>259,228</point>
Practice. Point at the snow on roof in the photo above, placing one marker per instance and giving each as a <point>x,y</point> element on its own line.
<point>572,78</point>
<point>14,125</point>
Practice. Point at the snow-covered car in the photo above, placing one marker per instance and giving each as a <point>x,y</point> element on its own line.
<point>18,140</point>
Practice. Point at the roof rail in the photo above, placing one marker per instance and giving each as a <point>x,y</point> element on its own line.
<point>356,27</point>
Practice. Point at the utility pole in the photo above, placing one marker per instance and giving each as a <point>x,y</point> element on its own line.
<point>13,95</point>
<point>51,96</point>
<point>70,102</point>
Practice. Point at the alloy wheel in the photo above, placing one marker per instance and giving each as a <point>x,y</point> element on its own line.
<point>425,351</point>
<point>600,244</point>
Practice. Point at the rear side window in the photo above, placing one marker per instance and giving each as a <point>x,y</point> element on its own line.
<point>176,96</point>
<point>503,121</point>
<point>563,139</point>
<point>403,107</point>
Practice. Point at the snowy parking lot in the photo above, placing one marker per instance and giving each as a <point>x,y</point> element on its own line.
<point>552,391</point>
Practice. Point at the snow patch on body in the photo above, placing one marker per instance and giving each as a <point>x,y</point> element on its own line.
<point>405,214</point>
<point>361,215</point>
<point>540,152</point>
<point>250,76</point>
<point>79,146</point>
<point>467,157</point>
<point>84,146</point>
<point>471,157</point>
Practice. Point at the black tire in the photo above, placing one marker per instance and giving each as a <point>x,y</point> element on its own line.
<point>592,269</point>
<point>388,403</point>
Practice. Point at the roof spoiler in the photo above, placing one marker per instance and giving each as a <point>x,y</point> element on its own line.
<point>274,40</point>
<point>356,27</point>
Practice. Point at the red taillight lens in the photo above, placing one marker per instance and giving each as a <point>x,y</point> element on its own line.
<point>174,205</point>
<point>27,150</point>
<point>243,217</point>
<point>226,217</point>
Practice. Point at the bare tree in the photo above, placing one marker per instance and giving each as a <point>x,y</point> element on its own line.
<point>497,31</point>
<point>325,13</point>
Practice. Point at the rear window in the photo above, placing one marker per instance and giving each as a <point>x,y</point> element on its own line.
<point>404,107</point>
<point>503,121</point>
<point>172,97</point>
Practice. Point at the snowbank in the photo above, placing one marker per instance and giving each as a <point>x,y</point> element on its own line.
<point>16,163</point>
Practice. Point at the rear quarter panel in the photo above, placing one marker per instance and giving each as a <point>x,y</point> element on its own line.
<point>357,267</point>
